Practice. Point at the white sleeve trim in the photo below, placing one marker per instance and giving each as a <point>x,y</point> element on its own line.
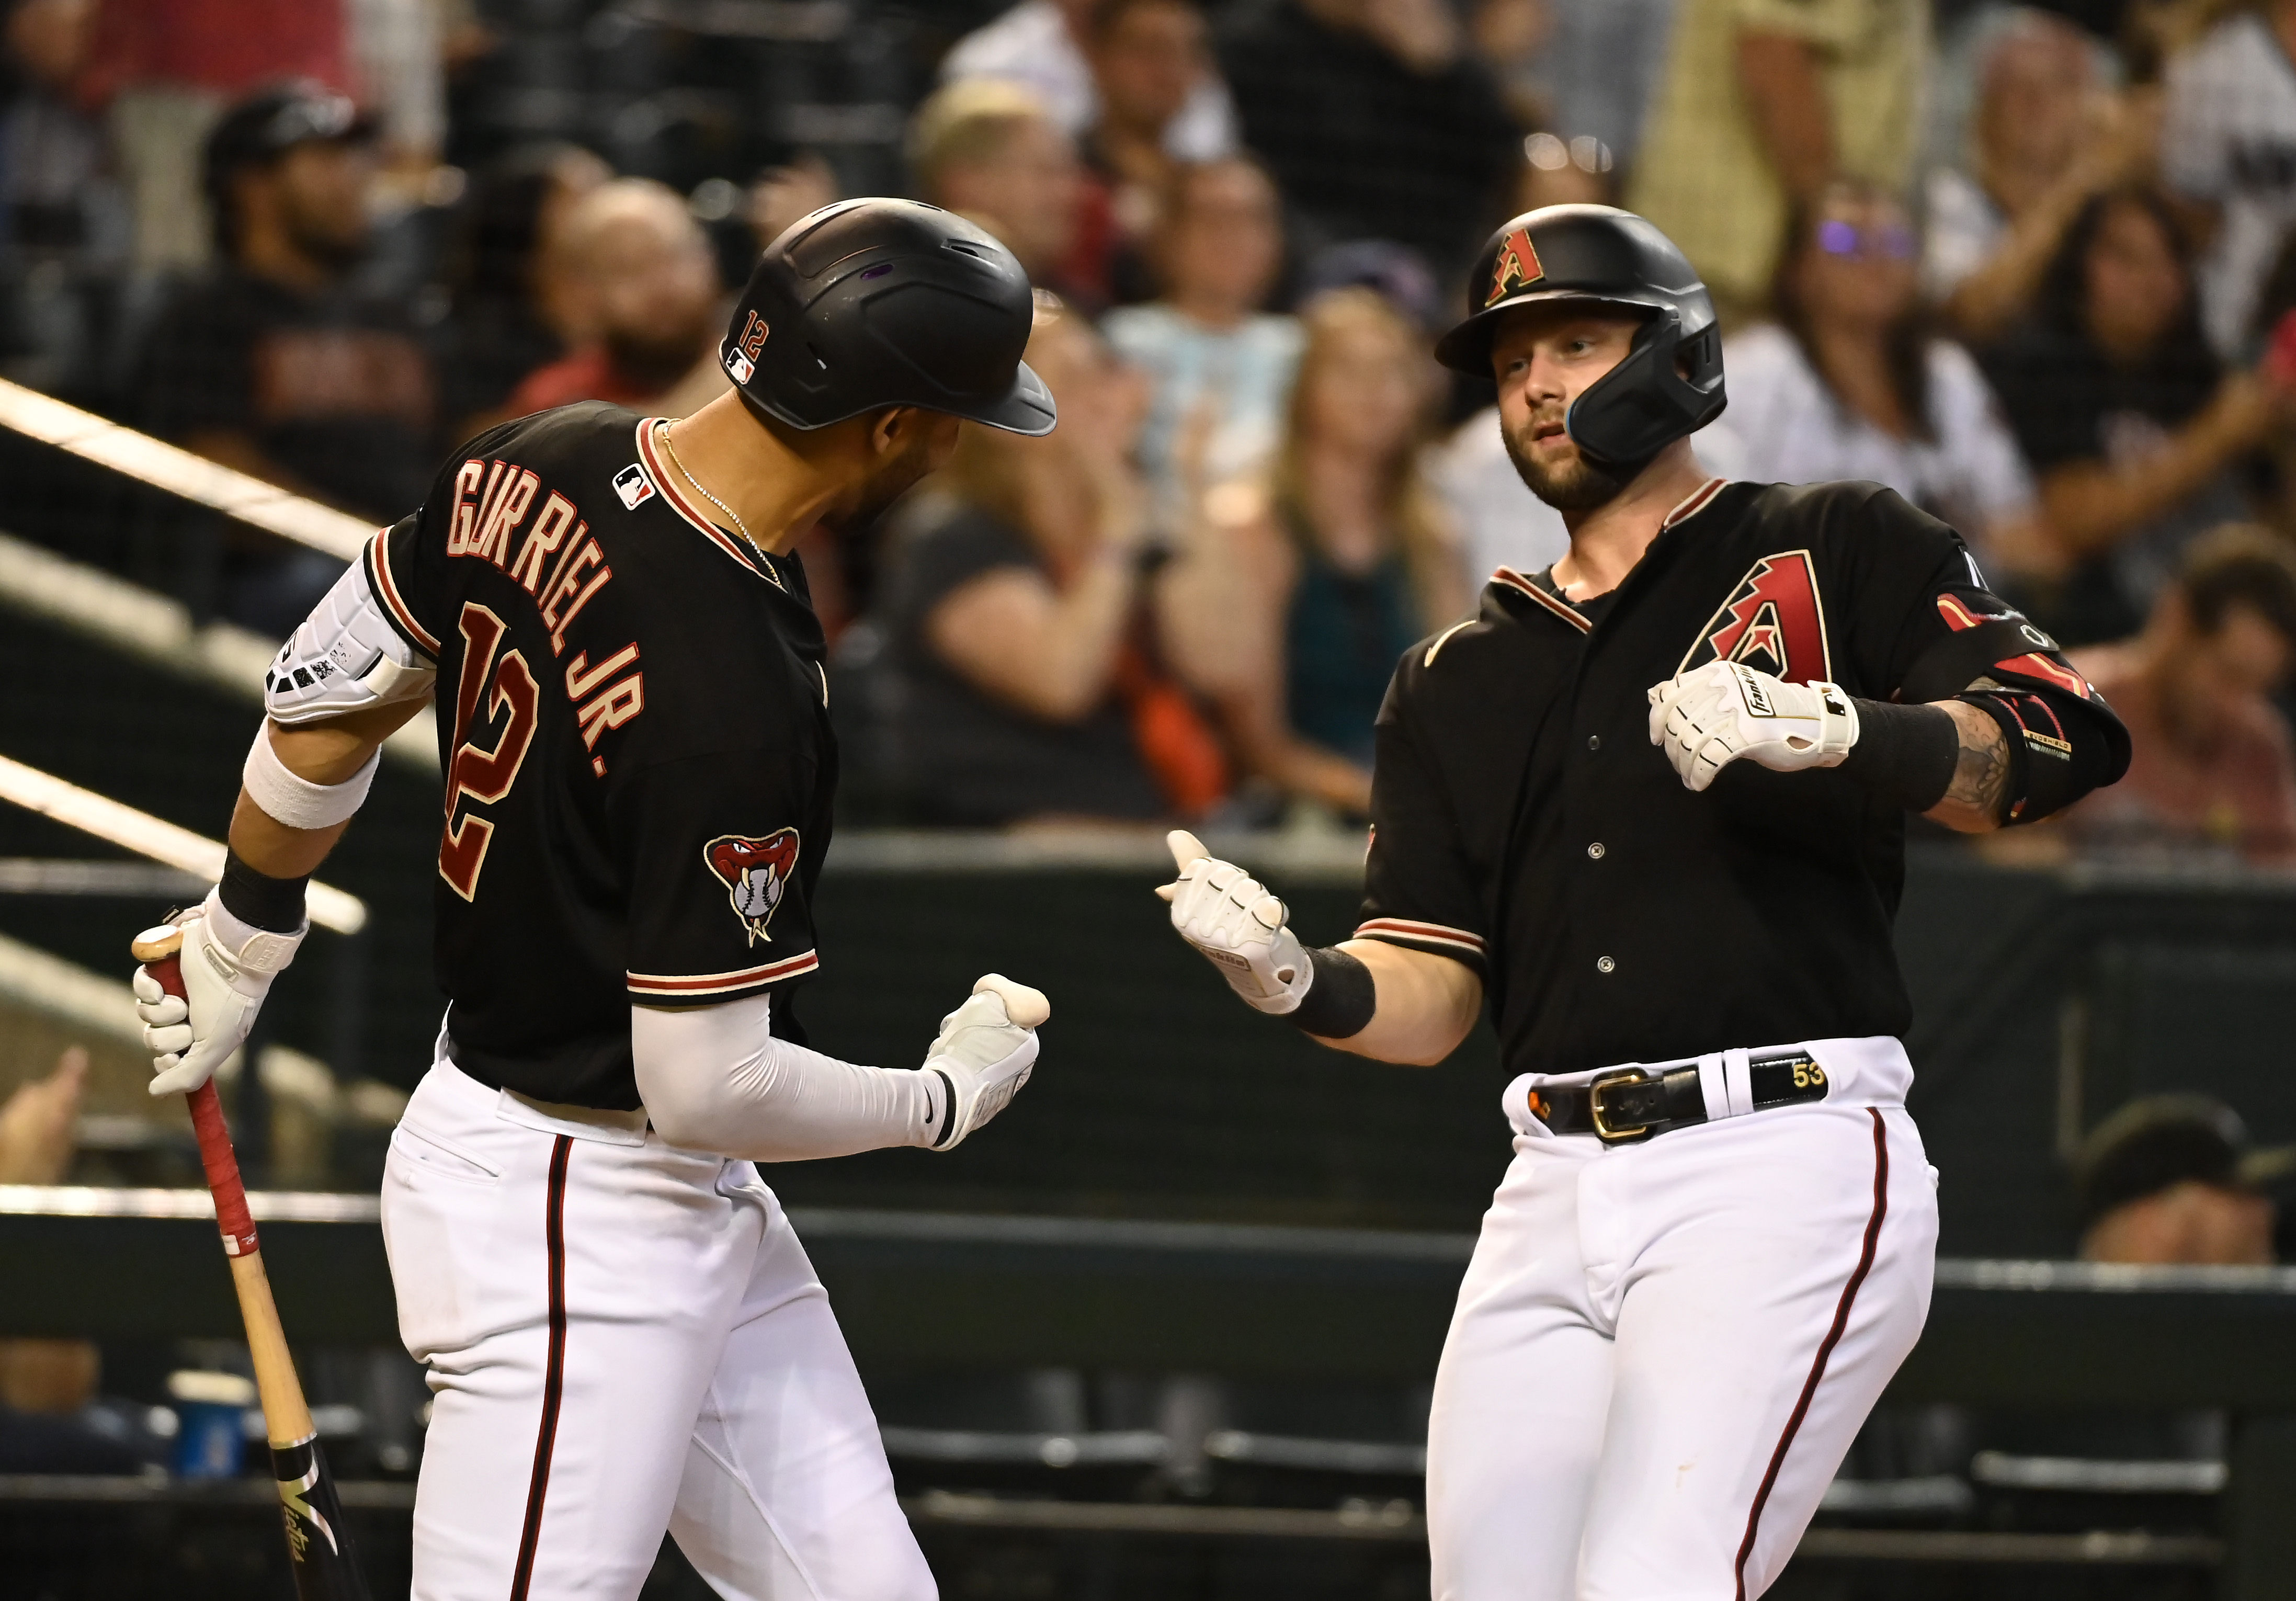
<point>715,1079</point>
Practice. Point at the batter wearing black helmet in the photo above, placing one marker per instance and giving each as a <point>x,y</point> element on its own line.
<point>623,1334</point>
<point>1649,807</point>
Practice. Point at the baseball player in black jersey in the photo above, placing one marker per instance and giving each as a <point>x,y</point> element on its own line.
<point>1649,806</point>
<point>622,1332</point>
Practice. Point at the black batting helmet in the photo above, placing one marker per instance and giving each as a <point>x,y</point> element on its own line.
<point>886,302</point>
<point>1671,383</point>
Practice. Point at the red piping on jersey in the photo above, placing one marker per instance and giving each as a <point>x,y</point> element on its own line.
<point>716,983</point>
<point>386,587</point>
<point>1826,1346</point>
<point>1693,502</point>
<point>1561,609</point>
<point>1433,933</point>
<point>665,476</point>
<point>1689,506</point>
<point>553,1378</point>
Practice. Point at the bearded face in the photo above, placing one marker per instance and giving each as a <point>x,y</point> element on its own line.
<point>1561,475</point>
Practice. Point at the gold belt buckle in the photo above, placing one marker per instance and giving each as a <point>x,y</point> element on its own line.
<point>1602,1129</point>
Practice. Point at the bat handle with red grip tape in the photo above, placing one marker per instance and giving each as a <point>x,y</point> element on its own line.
<point>160,951</point>
<point>319,1545</point>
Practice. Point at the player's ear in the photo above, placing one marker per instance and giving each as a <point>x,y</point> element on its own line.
<point>892,428</point>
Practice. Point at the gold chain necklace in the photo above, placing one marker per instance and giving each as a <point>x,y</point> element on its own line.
<point>687,475</point>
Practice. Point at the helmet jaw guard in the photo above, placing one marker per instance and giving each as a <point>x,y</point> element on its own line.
<point>1600,255</point>
<point>1645,403</point>
<point>874,303</point>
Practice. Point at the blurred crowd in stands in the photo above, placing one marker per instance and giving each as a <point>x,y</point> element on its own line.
<point>2032,267</point>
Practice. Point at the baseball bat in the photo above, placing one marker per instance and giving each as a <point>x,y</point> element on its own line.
<point>318,1539</point>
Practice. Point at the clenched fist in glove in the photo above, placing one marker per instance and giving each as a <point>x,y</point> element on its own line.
<point>228,966</point>
<point>1705,718</point>
<point>1237,927</point>
<point>984,1053</point>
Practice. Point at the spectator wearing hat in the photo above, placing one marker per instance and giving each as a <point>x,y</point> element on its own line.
<point>2210,762</point>
<point>2164,1180</point>
<point>647,282</point>
<point>278,362</point>
<point>165,70</point>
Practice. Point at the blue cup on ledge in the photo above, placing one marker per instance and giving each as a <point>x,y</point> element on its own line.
<point>210,1414</point>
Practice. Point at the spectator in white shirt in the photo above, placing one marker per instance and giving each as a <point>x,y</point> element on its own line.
<point>1849,383</point>
<point>2228,144</point>
<point>1043,44</point>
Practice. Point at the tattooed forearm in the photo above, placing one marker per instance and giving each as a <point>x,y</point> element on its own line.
<point>1980,792</point>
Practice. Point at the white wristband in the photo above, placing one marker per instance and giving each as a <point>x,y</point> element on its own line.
<point>298,802</point>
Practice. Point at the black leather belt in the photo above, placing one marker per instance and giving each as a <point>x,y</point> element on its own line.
<point>1637,1104</point>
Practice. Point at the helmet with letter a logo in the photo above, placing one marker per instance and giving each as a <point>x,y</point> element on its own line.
<point>1671,383</point>
<point>871,303</point>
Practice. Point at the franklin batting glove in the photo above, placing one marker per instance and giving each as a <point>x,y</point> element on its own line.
<point>225,977</point>
<point>1705,718</point>
<point>985,1052</point>
<point>1237,927</point>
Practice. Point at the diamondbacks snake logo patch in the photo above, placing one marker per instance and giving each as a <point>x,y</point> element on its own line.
<point>756,873</point>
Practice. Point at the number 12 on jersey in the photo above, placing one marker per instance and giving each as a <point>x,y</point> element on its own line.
<point>476,776</point>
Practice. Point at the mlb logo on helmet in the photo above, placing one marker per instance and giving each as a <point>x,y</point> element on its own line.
<point>741,354</point>
<point>630,483</point>
<point>756,873</point>
<point>1517,267</point>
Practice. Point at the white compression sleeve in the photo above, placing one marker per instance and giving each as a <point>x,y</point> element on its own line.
<point>715,1079</point>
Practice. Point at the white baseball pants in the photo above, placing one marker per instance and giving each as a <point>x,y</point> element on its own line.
<point>1663,1351</point>
<point>623,1337</point>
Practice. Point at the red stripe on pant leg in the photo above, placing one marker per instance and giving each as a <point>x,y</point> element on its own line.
<point>553,1377</point>
<point>1826,1346</point>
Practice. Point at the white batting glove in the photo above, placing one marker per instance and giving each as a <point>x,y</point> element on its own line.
<point>1705,718</point>
<point>224,986</point>
<point>1237,927</point>
<point>986,1049</point>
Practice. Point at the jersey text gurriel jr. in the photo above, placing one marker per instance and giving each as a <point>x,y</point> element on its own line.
<point>633,728</point>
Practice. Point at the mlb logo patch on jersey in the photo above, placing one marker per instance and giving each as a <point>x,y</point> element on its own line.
<point>1773,621</point>
<point>756,872</point>
<point>632,485</point>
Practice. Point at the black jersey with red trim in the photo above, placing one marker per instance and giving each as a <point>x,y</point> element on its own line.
<point>633,724</point>
<point>1524,824</point>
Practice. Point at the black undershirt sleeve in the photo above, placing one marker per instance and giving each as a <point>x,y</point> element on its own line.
<point>1906,753</point>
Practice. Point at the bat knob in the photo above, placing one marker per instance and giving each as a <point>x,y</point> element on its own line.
<point>157,944</point>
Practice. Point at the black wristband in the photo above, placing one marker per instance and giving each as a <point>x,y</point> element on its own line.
<point>258,898</point>
<point>1907,753</point>
<point>1340,997</point>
